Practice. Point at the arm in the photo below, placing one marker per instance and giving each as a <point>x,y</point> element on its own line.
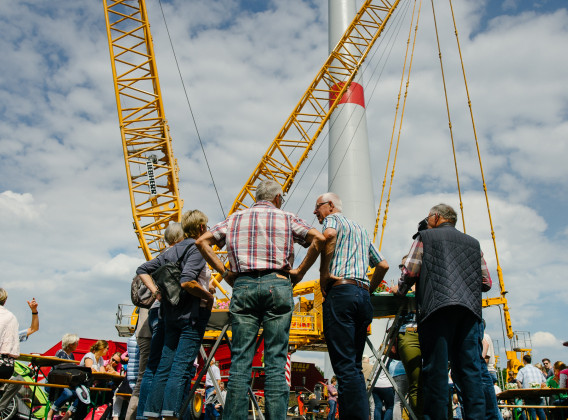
<point>485,348</point>
<point>149,283</point>
<point>35,317</point>
<point>486,282</point>
<point>316,241</point>
<point>378,275</point>
<point>204,244</point>
<point>411,269</point>
<point>194,288</point>
<point>330,236</point>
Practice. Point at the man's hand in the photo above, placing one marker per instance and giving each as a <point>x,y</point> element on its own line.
<point>210,302</point>
<point>326,280</point>
<point>33,305</point>
<point>295,276</point>
<point>231,277</point>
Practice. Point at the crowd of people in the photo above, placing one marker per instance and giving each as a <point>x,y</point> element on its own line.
<point>444,267</point>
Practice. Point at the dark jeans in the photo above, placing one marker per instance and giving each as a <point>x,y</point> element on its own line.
<point>451,333</point>
<point>266,300</point>
<point>157,326</point>
<point>347,312</point>
<point>383,397</point>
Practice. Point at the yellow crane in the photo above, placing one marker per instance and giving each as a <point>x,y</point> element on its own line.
<point>152,170</point>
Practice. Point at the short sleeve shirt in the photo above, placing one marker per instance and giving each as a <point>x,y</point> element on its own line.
<point>354,251</point>
<point>261,237</point>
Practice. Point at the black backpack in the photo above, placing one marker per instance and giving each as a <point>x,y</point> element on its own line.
<point>71,375</point>
<point>167,279</point>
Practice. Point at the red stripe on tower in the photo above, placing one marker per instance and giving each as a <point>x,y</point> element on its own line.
<point>353,95</point>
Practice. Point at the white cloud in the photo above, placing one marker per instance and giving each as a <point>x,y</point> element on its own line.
<point>545,339</point>
<point>19,208</point>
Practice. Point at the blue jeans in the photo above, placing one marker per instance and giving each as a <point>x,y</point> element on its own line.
<point>265,300</point>
<point>383,397</point>
<point>210,412</point>
<point>491,410</point>
<point>347,312</point>
<point>332,406</point>
<point>451,333</point>
<point>157,344</point>
<point>65,396</point>
<point>182,339</point>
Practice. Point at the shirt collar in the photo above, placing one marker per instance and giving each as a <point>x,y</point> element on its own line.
<point>264,203</point>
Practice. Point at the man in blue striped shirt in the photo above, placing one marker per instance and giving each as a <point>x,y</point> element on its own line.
<point>347,310</point>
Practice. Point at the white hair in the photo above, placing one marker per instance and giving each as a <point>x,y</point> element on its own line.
<point>334,198</point>
<point>267,190</point>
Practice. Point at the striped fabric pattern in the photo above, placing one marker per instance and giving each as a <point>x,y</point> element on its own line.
<point>354,251</point>
<point>261,237</point>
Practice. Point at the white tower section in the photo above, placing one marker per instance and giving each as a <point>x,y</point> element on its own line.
<point>349,167</point>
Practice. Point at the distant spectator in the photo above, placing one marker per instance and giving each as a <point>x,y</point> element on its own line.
<point>126,386</point>
<point>114,364</point>
<point>10,345</point>
<point>332,398</point>
<point>548,368</point>
<point>383,394</point>
<point>210,411</point>
<point>69,344</point>
<point>396,369</point>
<point>94,359</point>
<point>527,376</point>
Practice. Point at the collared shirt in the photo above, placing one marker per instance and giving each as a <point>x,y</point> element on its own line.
<point>354,251</point>
<point>530,374</point>
<point>411,269</point>
<point>261,237</point>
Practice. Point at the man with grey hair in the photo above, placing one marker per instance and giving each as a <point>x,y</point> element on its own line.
<point>260,250</point>
<point>347,310</point>
<point>450,273</point>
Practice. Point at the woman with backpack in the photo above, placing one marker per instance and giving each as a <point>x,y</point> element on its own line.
<point>184,320</point>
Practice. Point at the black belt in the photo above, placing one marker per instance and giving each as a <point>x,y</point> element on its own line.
<point>349,281</point>
<point>260,273</point>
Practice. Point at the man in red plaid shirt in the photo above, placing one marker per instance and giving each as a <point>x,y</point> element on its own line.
<point>260,247</point>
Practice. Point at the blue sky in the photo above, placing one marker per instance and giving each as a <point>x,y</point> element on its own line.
<point>64,206</point>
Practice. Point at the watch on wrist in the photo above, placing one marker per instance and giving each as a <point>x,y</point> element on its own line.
<point>225,273</point>
<point>155,294</point>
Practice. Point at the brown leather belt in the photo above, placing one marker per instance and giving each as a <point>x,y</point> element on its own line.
<point>412,329</point>
<point>349,281</point>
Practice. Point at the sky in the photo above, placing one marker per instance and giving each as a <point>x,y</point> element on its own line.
<point>65,217</point>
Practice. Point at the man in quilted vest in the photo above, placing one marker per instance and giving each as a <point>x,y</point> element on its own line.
<point>450,273</point>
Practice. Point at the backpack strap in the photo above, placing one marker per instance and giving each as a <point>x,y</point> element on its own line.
<point>180,259</point>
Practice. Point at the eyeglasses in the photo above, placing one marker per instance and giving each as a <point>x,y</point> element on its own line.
<point>281,200</point>
<point>318,205</point>
<point>116,362</point>
<point>430,215</point>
